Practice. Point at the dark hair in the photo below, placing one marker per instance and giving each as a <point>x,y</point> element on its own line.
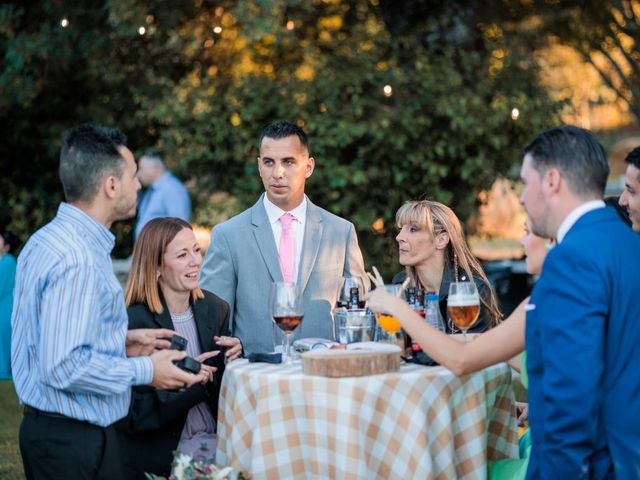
<point>88,154</point>
<point>8,238</point>
<point>284,129</point>
<point>576,153</point>
<point>614,202</point>
<point>633,158</point>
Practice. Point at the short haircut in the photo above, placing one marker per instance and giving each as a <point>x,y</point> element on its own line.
<point>633,158</point>
<point>147,259</point>
<point>89,153</point>
<point>154,159</point>
<point>576,153</point>
<point>284,129</point>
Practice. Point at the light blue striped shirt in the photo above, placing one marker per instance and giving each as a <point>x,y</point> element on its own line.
<point>70,322</point>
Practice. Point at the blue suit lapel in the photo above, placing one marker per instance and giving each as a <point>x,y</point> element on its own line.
<point>311,245</point>
<point>263,235</point>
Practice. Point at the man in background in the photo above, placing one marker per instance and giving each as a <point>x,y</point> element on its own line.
<point>283,237</point>
<point>582,330</point>
<point>630,198</point>
<point>164,194</point>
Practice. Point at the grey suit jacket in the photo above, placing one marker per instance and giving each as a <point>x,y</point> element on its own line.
<point>242,262</point>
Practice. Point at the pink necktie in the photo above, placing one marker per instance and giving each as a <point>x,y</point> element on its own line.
<point>287,252</point>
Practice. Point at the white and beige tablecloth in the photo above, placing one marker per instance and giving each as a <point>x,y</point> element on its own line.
<point>421,422</point>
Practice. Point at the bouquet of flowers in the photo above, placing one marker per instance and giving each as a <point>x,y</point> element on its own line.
<point>185,467</point>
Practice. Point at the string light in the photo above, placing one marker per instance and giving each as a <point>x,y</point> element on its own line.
<point>217,29</point>
<point>142,30</point>
<point>388,90</point>
<point>64,23</point>
<point>515,114</point>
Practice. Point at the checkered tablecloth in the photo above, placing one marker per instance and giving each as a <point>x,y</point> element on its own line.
<point>421,422</point>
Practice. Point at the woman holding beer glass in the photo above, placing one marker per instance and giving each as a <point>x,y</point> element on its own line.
<point>433,249</point>
<point>163,292</point>
<point>497,345</point>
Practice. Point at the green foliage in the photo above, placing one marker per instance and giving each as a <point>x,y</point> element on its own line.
<point>204,81</point>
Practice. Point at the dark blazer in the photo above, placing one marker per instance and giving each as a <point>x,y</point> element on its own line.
<point>152,428</point>
<point>582,337</point>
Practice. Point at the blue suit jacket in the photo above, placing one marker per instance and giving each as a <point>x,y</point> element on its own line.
<point>583,348</point>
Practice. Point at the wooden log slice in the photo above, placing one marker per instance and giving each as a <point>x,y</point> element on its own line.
<point>350,363</point>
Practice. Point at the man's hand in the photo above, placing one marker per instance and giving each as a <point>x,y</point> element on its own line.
<point>145,341</point>
<point>232,346</point>
<point>166,376</point>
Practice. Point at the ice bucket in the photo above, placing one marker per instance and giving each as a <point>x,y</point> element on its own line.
<point>354,325</point>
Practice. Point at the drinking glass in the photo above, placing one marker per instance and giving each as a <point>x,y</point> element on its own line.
<point>463,305</point>
<point>389,323</point>
<point>286,307</point>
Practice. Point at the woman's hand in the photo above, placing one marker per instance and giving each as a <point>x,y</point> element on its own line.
<point>207,371</point>
<point>379,301</point>
<point>231,345</point>
<point>523,413</point>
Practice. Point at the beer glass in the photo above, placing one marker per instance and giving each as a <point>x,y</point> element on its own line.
<point>286,307</point>
<point>463,305</point>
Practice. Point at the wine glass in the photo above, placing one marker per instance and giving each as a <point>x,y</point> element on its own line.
<point>286,307</point>
<point>389,323</point>
<point>463,305</point>
<point>344,294</point>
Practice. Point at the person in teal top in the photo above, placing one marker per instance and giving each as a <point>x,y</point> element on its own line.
<point>498,344</point>
<point>7,281</point>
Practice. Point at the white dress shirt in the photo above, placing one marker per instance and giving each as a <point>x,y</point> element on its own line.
<point>574,216</point>
<point>300,213</point>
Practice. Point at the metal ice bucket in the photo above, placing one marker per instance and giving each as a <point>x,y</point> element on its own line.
<point>354,326</point>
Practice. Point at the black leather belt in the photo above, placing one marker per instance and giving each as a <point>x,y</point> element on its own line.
<point>35,411</point>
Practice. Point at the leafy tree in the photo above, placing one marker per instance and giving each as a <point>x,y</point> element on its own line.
<point>394,111</point>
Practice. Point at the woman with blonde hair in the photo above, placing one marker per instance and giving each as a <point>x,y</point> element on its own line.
<point>433,249</point>
<point>163,292</point>
<point>497,345</point>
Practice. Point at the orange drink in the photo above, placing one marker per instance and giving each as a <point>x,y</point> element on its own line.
<point>388,323</point>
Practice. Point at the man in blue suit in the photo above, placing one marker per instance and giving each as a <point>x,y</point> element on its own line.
<point>583,320</point>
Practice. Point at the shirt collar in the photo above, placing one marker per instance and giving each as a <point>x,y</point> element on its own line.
<point>86,224</point>
<point>575,214</point>
<point>160,180</point>
<point>274,212</point>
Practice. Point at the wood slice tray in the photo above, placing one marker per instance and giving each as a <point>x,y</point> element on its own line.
<point>351,362</point>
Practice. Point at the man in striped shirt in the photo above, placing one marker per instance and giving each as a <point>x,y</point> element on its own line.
<point>70,343</point>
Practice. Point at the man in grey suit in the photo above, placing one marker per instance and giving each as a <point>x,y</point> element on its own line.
<point>246,253</point>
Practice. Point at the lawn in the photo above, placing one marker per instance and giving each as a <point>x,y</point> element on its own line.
<point>10,417</point>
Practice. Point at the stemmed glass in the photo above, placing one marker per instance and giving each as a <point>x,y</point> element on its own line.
<point>287,310</point>
<point>463,305</point>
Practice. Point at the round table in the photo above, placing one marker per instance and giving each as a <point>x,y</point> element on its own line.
<point>420,422</point>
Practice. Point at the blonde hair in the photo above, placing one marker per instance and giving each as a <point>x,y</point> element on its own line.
<point>148,255</point>
<point>438,218</point>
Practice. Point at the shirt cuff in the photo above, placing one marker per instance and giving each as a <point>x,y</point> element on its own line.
<point>142,370</point>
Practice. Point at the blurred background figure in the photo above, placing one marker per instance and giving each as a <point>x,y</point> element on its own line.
<point>164,195</point>
<point>7,281</point>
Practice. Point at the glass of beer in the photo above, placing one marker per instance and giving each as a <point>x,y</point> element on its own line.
<point>287,311</point>
<point>463,305</point>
